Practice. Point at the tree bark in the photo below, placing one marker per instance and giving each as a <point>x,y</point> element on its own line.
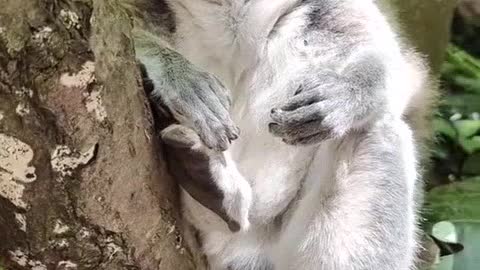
<point>425,24</point>
<point>82,180</point>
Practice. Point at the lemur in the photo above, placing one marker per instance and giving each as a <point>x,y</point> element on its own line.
<point>296,138</point>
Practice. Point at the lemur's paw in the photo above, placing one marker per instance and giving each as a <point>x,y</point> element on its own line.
<point>179,136</point>
<point>200,101</point>
<point>321,108</point>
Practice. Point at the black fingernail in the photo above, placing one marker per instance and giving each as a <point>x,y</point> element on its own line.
<point>224,146</point>
<point>272,126</point>
<point>299,90</point>
<point>232,137</point>
<point>233,226</point>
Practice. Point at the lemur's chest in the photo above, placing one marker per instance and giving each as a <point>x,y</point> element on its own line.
<point>232,40</point>
<point>226,37</point>
<point>211,35</point>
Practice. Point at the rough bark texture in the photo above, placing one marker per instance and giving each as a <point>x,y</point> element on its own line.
<point>80,179</point>
<point>81,182</point>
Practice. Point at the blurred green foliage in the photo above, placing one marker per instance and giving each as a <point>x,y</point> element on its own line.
<point>454,183</point>
<point>466,33</point>
<point>455,180</point>
<point>457,123</point>
<point>456,201</point>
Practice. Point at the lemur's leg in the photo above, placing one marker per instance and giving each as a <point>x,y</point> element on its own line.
<point>362,217</point>
<point>210,179</point>
<point>208,176</point>
<point>247,259</point>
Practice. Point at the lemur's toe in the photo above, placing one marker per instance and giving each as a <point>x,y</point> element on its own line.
<point>179,136</point>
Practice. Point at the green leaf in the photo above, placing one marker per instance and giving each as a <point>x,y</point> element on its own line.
<point>445,231</point>
<point>441,151</point>
<point>472,165</point>
<point>470,145</point>
<point>467,128</point>
<point>472,178</point>
<point>468,84</point>
<point>464,63</point>
<point>463,103</point>
<point>459,200</point>
<point>444,127</point>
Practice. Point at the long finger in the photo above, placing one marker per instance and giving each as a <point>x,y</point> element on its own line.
<point>301,115</point>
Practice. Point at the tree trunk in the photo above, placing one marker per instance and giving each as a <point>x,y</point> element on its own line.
<point>426,24</point>
<point>82,184</point>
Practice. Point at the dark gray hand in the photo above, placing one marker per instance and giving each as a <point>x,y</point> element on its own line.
<point>195,98</point>
<point>326,105</point>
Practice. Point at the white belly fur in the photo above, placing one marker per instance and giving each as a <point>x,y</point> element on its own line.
<point>265,162</point>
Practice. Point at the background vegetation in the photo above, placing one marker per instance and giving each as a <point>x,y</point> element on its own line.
<point>455,177</point>
<point>454,182</point>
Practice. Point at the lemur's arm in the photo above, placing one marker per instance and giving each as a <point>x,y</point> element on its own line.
<point>194,97</point>
<point>368,217</point>
<point>200,103</point>
<point>343,84</point>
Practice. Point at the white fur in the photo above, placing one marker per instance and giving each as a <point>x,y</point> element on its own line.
<point>326,225</point>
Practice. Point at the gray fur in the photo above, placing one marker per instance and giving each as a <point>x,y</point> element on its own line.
<point>337,190</point>
<point>348,97</point>
<point>191,166</point>
<point>194,97</point>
